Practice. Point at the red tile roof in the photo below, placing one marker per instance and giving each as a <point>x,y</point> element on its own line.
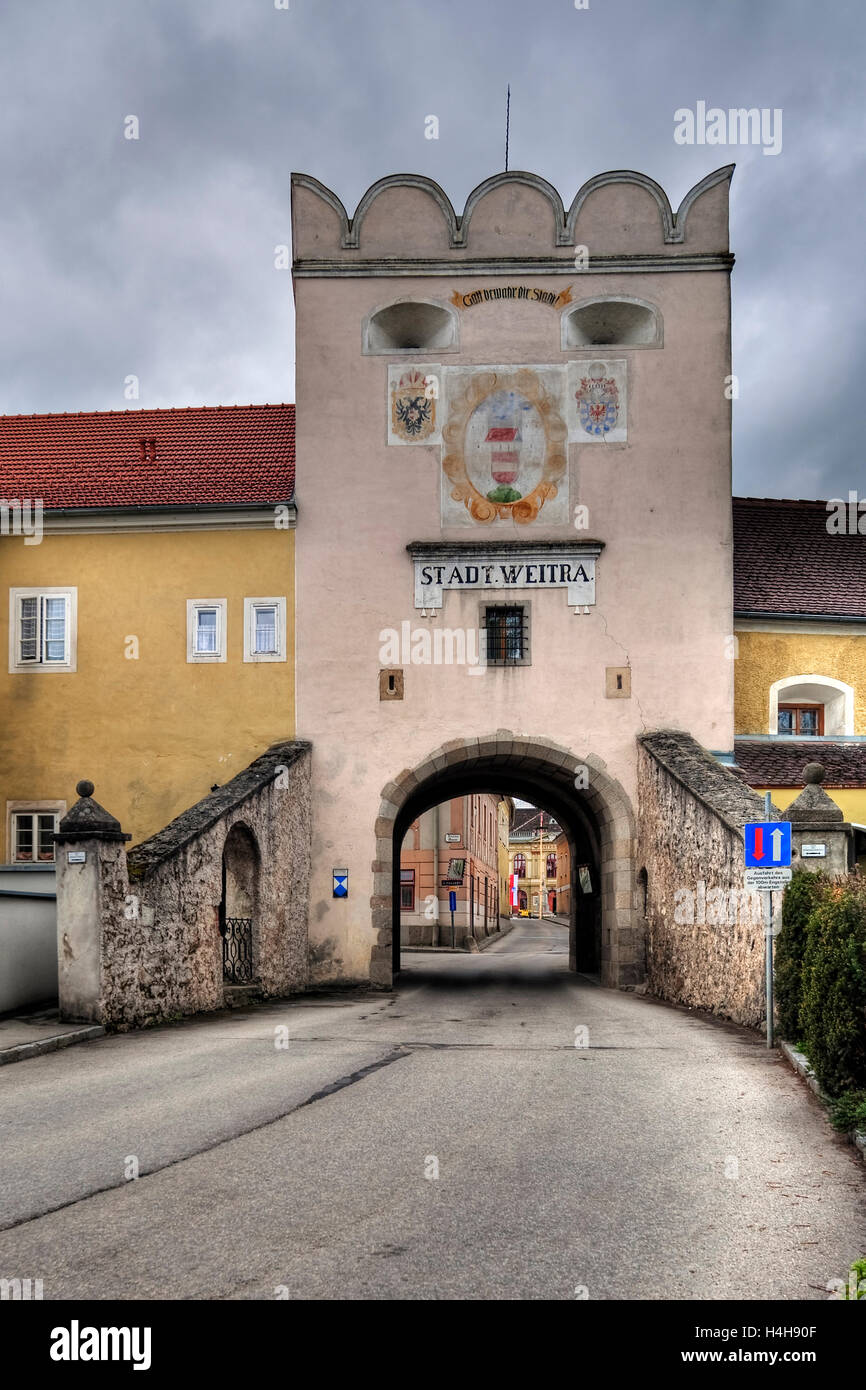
<point>786,561</point>
<point>527,818</point>
<point>232,455</point>
<point>781,764</point>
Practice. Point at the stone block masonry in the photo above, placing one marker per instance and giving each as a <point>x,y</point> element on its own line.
<point>139,935</point>
<point>704,937</point>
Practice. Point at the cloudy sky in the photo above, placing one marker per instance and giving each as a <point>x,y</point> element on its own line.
<point>155,257</point>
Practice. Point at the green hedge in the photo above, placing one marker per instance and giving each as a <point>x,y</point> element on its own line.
<point>801,897</point>
<point>821,977</point>
<point>833,1003</point>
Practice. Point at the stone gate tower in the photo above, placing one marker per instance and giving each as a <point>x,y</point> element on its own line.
<point>514,534</point>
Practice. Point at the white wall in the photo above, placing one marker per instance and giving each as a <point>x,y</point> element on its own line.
<point>28,938</point>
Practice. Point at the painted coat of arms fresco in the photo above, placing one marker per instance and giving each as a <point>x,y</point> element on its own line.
<point>504,446</point>
<point>597,402</point>
<point>413,393</point>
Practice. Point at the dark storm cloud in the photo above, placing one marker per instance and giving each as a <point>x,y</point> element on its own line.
<point>155,257</point>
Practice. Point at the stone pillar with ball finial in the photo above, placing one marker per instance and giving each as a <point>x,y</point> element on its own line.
<point>821,838</point>
<point>91,881</point>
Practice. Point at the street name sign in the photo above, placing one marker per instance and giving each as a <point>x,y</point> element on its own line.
<point>768,844</point>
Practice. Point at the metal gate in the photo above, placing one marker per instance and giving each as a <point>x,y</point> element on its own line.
<point>238,950</point>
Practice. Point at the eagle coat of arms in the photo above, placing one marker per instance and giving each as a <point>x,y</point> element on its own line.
<point>413,407</point>
<point>598,404</point>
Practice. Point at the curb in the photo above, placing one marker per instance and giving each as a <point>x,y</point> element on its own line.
<point>482,945</point>
<point>35,1049</point>
<point>497,936</point>
<point>802,1067</point>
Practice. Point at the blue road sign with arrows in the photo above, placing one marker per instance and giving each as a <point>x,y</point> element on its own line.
<point>768,844</point>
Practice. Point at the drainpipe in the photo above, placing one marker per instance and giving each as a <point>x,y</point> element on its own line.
<point>436,874</point>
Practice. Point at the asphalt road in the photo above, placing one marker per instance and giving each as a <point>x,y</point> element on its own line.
<point>448,1141</point>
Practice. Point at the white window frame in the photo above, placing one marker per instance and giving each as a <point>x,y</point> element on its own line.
<point>193,606</point>
<point>19,667</point>
<point>250,606</point>
<point>31,808</point>
<point>837,711</point>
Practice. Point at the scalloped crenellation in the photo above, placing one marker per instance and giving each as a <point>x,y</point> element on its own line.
<point>515,215</point>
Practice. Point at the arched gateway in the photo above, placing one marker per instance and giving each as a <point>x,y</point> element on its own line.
<point>513,484</point>
<point>589,805</point>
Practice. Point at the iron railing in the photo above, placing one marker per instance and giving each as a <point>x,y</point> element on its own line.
<point>238,950</point>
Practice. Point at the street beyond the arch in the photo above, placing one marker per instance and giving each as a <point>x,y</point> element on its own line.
<point>494,1128</point>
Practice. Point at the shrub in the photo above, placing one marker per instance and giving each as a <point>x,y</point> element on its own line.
<point>833,1003</point>
<point>801,896</point>
<point>854,1287</point>
<point>849,1111</point>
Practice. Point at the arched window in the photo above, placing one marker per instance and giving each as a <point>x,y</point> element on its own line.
<point>612,321</point>
<point>520,865</point>
<point>551,866</point>
<point>811,707</point>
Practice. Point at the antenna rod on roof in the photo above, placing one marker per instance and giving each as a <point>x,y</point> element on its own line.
<point>507,123</point>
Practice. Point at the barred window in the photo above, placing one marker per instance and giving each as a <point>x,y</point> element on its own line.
<point>507,627</point>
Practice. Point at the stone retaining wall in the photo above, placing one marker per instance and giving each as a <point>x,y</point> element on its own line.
<point>690,849</point>
<point>139,935</point>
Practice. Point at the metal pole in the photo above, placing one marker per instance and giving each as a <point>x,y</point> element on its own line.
<point>768,938</point>
<point>436,833</point>
<point>541,879</point>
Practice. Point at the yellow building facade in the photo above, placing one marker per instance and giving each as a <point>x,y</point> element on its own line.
<point>153,730</point>
<point>149,649</point>
<point>532,858</point>
<point>799,651</point>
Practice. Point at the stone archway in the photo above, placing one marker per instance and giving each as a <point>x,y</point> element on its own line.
<point>578,789</point>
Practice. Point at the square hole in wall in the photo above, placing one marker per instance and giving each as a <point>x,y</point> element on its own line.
<point>391,684</point>
<point>617,682</point>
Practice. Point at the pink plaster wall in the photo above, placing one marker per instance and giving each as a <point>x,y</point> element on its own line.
<point>660,503</point>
